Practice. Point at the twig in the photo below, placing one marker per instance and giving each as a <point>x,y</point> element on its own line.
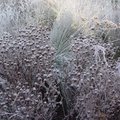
<point>15,98</point>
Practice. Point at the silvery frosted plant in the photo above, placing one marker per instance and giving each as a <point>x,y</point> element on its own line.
<point>61,34</point>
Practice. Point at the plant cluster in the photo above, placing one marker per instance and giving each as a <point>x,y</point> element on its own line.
<point>61,65</point>
<point>85,86</point>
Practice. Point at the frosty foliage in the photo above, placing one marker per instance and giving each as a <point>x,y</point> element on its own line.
<point>14,14</point>
<point>61,33</point>
<point>35,91</point>
<point>53,63</point>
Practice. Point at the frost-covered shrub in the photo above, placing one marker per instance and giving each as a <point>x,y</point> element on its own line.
<point>35,91</point>
<point>26,54</point>
<point>97,84</point>
<point>67,75</point>
<point>16,14</point>
<point>61,34</point>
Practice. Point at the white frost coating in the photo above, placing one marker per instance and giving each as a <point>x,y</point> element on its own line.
<point>99,49</point>
<point>118,68</point>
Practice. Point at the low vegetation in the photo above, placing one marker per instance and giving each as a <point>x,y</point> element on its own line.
<point>59,60</point>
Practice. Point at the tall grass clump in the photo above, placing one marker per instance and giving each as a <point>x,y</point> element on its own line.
<point>62,30</point>
<point>61,34</point>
